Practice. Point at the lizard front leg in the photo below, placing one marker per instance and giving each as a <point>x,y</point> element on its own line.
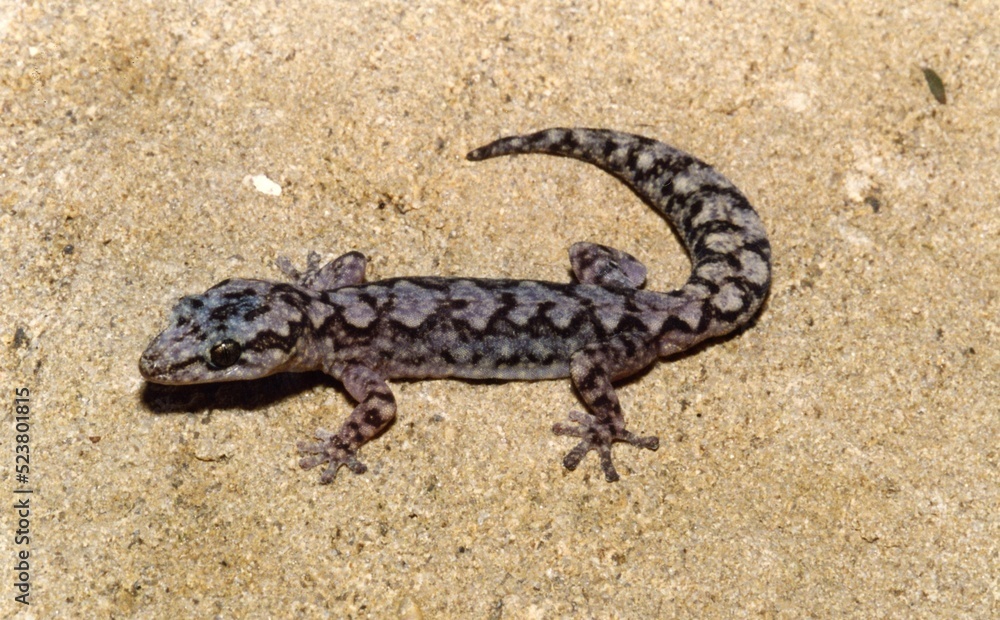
<point>345,270</point>
<point>375,411</point>
<point>592,370</point>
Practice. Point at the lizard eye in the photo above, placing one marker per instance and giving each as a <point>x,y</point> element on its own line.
<point>224,354</point>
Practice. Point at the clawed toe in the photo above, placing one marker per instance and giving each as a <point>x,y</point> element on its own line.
<point>574,456</point>
<point>329,450</point>
<point>597,435</point>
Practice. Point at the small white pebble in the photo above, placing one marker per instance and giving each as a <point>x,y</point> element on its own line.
<point>265,185</point>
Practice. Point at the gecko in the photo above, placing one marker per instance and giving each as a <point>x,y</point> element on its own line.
<point>596,330</point>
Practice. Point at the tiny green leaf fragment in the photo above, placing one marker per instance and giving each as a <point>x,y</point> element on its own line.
<point>935,84</point>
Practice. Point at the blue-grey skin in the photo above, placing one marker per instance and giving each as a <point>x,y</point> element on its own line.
<point>596,330</point>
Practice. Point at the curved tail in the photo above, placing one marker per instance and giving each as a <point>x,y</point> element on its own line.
<point>723,235</point>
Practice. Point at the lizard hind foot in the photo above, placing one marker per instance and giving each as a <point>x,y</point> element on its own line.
<point>598,435</point>
<point>329,450</point>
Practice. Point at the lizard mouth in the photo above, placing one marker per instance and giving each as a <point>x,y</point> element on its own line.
<point>155,367</point>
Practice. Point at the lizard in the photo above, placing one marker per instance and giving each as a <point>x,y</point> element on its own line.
<point>595,330</point>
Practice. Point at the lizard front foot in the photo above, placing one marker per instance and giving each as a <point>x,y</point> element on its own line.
<point>598,435</point>
<point>332,450</point>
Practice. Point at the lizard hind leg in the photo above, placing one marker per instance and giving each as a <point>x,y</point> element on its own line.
<point>605,266</point>
<point>591,372</point>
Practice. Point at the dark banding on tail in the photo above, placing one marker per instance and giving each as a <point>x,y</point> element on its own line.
<point>721,232</point>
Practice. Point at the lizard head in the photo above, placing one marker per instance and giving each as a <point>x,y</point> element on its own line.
<point>236,330</point>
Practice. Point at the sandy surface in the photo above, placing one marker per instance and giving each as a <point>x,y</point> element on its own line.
<point>839,459</point>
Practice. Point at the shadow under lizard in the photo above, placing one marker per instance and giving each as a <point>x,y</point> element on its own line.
<point>596,330</point>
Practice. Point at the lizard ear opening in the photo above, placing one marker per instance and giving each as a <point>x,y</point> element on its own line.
<point>224,354</point>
